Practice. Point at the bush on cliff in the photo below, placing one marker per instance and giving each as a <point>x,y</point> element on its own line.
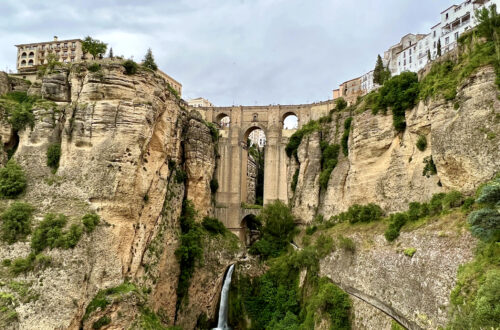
<point>277,230</point>
<point>130,67</point>
<point>213,226</point>
<point>16,222</point>
<point>12,180</point>
<point>360,213</point>
<point>53,155</point>
<point>50,234</point>
<point>190,251</point>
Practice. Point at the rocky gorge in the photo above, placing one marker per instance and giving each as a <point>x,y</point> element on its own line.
<point>133,153</point>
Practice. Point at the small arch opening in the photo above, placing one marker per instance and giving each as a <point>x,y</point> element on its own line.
<point>250,229</point>
<point>31,54</point>
<point>223,120</point>
<point>30,63</point>
<point>290,121</point>
<point>23,63</point>
<point>255,138</point>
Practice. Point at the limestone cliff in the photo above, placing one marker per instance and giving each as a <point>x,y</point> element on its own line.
<point>125,142</point>
<point>385,167</point>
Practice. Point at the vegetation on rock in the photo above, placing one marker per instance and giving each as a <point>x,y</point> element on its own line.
<point>130,67</point>
<point>16,222</point>
<point>277,230</point>
<point>12,180</point>
<point>149,61</point>
<point>53,155</point>
<point>93,47</point>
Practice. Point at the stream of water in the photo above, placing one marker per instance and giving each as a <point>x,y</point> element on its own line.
<point>224,297</point>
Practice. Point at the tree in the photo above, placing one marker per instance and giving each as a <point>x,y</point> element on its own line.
<point>488,22</point>
<point>378,71</point>
<point>111,52</point>
<point>439,48</point>
<point>149,61</point>
<point>94,47</point>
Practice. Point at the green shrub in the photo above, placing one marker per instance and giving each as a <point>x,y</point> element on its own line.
<point>430,167</point>
<point>475,299</point>
<point>485,224</point>
<point>340,104</point>
<point>53,155</point>
<point>345,136</point>
<point>295,179</point>
<point>49,233</point>
<point>396,221</point>
<point>452,199</point>
<point>398,93</point>
<point>436,203</point>
<point>19,108</point>
<point>190,250</point>
<point>311,230</point>
<point>130,67</point>
<point>94,67</point>
<point>180,176</point>
<point>12,180</point>
<point>101,322</point>
<point>329,159</point>
<point>490,193</point>
<point>105,297</point>
<point>277,230</point>
<point>31,262</point>
<point>417,210</point>
<point>213,226</point>
<point>214,185</point>
<point>410,252</point>
<point>468,203</point>
<point>90,221</point>
<point>421,143</point>
<point>296,138</point>
<point>346,243</point>
<point>360,213</point>
<point>16,222</point>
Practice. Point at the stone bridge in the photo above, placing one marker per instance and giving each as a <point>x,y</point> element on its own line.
<point>231,170</point>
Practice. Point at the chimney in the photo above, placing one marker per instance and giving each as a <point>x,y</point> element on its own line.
<point>55,38</point>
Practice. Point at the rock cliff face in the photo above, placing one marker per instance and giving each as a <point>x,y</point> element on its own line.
<point>123,139</point>
<point>385,168</point>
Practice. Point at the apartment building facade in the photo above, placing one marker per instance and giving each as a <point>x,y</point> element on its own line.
<point>199,102</point>
<point>34,54</point>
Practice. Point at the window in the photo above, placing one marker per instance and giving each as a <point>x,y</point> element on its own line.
<point>404,54</point>
<point>434,34</point>
<point>456,35</point>
<point>410,51</point>
<point>73,45</point>
<point>404,62</point>
<point>410,59</point>
<point>434,44</point>
<point>447,15</point>
<point>65,44</point>
<point>447,40</point>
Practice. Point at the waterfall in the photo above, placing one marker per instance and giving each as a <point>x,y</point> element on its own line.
<point>224,297</point>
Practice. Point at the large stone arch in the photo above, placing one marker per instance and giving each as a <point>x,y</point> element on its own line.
<point>231,168</point>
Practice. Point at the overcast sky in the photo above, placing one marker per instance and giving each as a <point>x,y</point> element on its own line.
<point>231,51</point>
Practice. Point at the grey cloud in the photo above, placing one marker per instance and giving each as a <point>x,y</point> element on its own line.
<point>241,52</point>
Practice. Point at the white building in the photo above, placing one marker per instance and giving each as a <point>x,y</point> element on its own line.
<point>455,20</point>
<point>367,84</point>
<point>257,137</point>
<point>199,102</point>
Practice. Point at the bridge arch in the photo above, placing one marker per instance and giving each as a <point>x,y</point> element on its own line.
<point>249,227</point>
<point>232,170</point>
<point>223,120</point>
<point>290,120</point>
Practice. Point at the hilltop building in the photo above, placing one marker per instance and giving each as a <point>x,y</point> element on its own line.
<point>34,54</point>
<point>199,102</point>
<point>411,53</point>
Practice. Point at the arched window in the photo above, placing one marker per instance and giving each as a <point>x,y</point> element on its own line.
<point>31,54</point>
<point>23,63</point>
<point>223,120</point>
<point>290,121</point>
<point>30,63</point>
<point>255,117</point>
<point>23,55</point>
